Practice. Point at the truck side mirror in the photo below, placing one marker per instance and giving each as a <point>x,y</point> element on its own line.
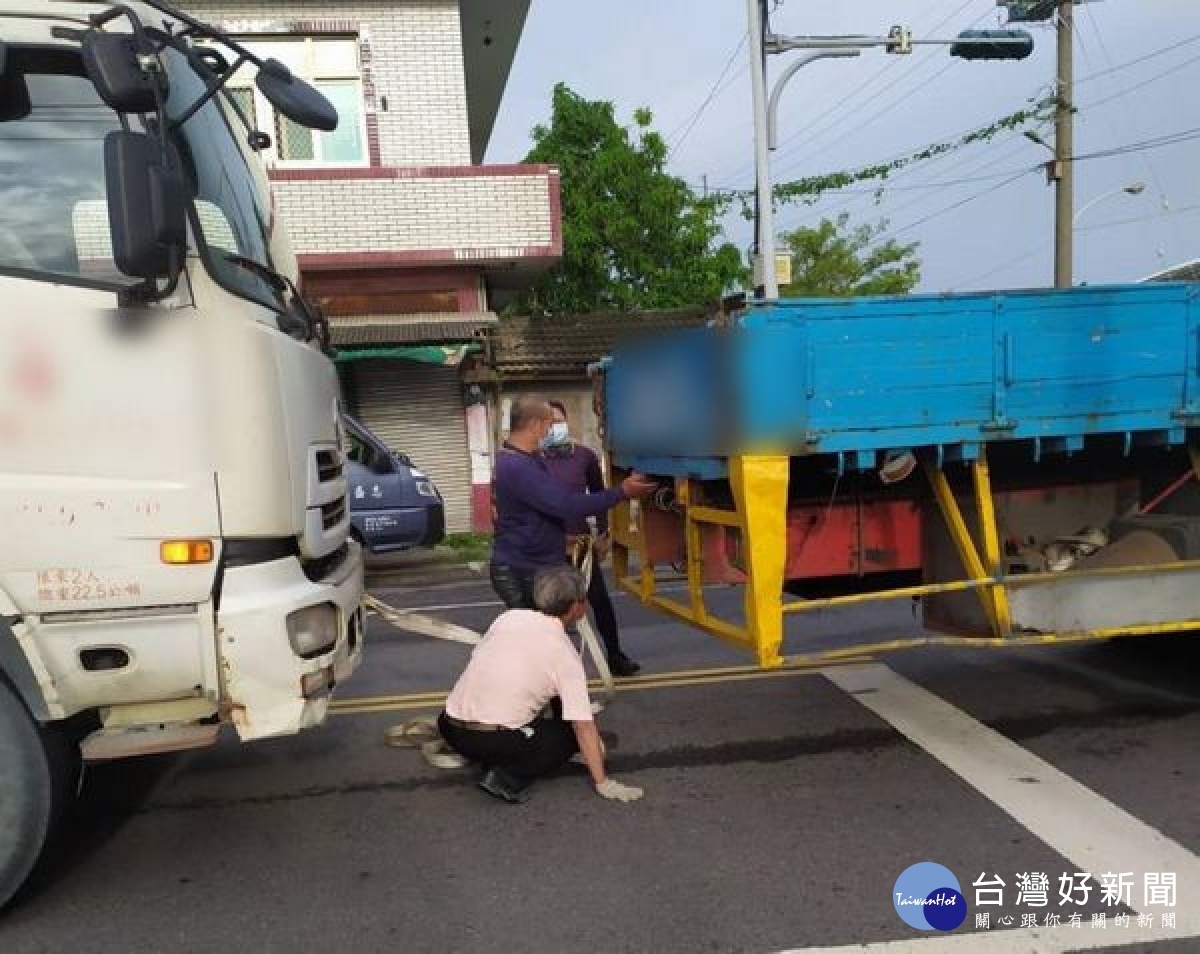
<point>147,208</point>
<point>296,99</point>
<point>15,103</point>
<point>124,78</point>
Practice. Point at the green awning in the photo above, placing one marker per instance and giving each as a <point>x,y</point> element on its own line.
<point>450,356</point>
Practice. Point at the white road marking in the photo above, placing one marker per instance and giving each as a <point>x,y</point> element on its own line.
<point>452,606</point>
<point>1054,940</point>
<point>1091,832</point>
<point>494,604</point>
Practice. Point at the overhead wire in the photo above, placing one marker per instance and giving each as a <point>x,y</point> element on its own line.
<point>713,92</point>
<point>1128,114</point>
<point>1116,223</point>
<point>893,232</point>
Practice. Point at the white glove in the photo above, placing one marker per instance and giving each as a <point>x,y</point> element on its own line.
<point>613,790</point>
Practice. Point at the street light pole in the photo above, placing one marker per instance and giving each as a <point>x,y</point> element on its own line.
<point>777,89</point>
<point>1134,188</point>
<point>764,243</point>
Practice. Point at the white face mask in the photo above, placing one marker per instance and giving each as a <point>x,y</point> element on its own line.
<point>557,435</point>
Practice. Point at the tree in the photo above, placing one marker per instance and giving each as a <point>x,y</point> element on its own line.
<point>634,236</point>
<point>829,260</point>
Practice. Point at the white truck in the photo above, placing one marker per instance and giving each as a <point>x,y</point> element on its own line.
<point>174,527</point>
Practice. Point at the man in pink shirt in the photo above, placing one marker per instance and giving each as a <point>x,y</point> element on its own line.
<point>525,663</point>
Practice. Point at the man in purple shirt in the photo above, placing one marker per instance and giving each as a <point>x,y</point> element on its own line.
<point>532,509</point>
<point>578,468</point>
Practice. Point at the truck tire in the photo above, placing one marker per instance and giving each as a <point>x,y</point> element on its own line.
<point>37,784</point>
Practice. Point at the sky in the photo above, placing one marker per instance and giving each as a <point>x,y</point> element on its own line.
<point>984,215</point>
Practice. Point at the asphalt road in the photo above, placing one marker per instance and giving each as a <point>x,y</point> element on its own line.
<point>780,810</point>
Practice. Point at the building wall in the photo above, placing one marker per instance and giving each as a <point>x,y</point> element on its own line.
<point>479,214</point>
<point>412,58</point>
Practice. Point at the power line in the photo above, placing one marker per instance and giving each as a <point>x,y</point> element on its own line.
<point>1130,63</point>
<point>1129,115</point>
<point>1187,135</point>
<point>1115,223</point>
<point>892,233</point>
<point>1023,257</point>
<point>887,108</point>
<point>712,94</point>
<point>1170,139</point>
<point>1147,82</point>
<point>971,180</point>
<point>976,168</point>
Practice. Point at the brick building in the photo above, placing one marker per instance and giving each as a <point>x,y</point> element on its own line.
<point>402,235</point>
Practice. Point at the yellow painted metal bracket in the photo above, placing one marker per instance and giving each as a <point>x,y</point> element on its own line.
<point>1001,615</point>
<point>760,486</point>
<point>961,535</point>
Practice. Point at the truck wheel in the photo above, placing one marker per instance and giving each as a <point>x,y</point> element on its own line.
<point>37,783</point>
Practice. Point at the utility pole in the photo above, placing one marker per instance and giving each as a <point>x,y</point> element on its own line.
<point>1064,149</point>
<point>764,239</point>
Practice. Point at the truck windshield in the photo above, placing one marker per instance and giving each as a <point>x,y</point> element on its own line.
<point>232,213</point>
<point>53,213</point>
<point>53,217</point>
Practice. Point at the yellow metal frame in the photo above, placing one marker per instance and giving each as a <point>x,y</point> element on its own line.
<point>759,484</point>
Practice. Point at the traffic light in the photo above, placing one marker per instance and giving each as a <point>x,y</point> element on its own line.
<point>1028,11</point>
<point>993,45</point>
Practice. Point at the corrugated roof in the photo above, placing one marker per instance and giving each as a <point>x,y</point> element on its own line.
<point>432,327</point>
<point>563,346</point>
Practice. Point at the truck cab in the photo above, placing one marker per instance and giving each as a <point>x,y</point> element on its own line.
<point>176,553</point>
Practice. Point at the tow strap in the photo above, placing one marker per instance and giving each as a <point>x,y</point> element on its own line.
<point>422,733</point>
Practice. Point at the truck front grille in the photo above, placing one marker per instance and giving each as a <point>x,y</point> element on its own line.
<point>329,465</point>
<point>333,513</point>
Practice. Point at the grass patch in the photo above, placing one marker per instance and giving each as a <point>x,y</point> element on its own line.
<point>468,547</point>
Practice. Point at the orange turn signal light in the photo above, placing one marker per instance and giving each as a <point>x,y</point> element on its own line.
<point>185,552</point>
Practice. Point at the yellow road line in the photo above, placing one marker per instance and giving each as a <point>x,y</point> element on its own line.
<point>677,680</point>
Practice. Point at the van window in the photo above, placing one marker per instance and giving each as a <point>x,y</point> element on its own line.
<point>361,452</point>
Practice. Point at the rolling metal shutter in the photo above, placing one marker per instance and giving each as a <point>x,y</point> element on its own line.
<point>417,409</point>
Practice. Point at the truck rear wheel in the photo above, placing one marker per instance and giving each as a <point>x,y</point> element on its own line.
<point>38,770</point>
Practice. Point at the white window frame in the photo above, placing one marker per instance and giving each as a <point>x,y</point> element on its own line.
<point>265,114</point>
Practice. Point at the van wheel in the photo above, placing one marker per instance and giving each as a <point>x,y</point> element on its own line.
<point>37,784</point>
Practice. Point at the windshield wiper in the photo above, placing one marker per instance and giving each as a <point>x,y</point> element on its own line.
<point>288,322</point>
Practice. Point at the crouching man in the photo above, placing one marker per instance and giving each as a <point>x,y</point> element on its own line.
<point>524,664</point>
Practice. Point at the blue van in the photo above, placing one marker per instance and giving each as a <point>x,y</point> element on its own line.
<point>393,505</point>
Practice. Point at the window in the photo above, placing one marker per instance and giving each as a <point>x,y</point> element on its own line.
<point>330,64</point>
<point>53,214</point>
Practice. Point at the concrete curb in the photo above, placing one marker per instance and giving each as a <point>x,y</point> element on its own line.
<point>407,575</point>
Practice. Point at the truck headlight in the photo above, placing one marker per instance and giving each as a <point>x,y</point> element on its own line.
<point>313,631</point>
<point>426,489</point>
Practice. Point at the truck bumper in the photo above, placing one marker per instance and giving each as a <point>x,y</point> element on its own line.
<point>267,687</point>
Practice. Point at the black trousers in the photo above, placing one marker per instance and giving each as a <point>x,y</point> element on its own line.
<point>515,589</point>
<point>513,586</point>
<point>528,753</point>
<point>604,614</point>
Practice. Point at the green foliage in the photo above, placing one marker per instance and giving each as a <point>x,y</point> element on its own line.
<point>829,260</point>
<point>811,188</point>
<point>633,236</point>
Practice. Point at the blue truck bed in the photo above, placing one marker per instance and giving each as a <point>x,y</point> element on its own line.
<point>856,377</point>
